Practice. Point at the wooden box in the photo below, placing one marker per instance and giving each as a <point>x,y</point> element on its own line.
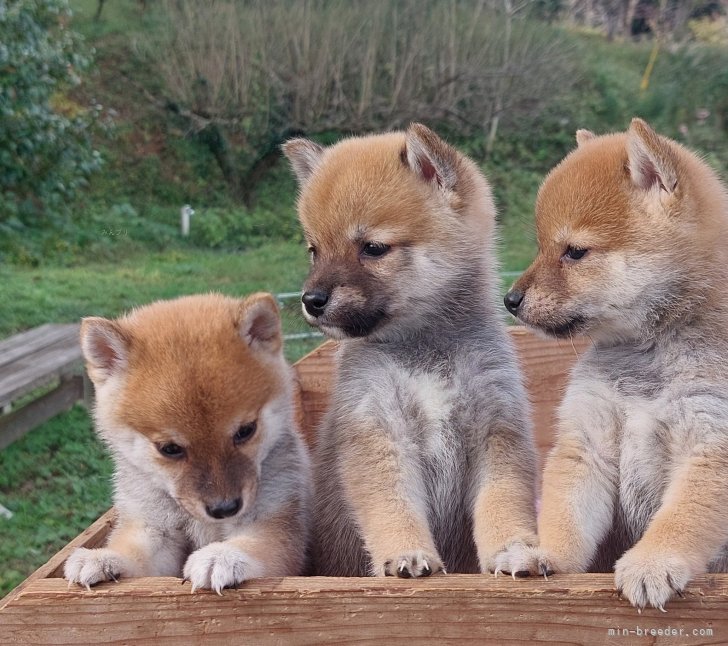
<point>575,609</point>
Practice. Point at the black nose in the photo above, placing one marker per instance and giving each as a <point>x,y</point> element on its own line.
<point>315,301</point>
<point>513,300</point>
<point>224,508</point>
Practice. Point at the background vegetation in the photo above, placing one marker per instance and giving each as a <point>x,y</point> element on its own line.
<point>115,115</point>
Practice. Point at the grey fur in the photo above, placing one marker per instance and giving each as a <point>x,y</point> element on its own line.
<point>473,355</point>
<point>680,383</point>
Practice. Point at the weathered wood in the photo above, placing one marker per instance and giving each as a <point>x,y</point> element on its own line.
<point>315,374</point>
<point>470,609</point>
<point>17,423</point>
<point>93,536</point>
<point>23,343</point>
<point>546,365</point>
<point>36,358</point>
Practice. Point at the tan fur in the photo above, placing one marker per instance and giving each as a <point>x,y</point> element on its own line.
<point>425,458</point>
<point>191,372</point>
<point>641,456</point>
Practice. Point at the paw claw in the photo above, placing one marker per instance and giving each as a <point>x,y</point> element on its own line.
<point>218,566</point>
<point>544,570</point>
<point>412,565</point>
<point>650,579</point>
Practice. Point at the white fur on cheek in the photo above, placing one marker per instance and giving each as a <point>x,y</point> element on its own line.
<point>127,445</point>
<point>220,565</point>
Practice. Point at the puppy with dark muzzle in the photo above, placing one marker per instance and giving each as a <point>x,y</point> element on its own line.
<point>425,458</point>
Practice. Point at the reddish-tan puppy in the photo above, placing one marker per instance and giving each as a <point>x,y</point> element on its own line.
<point>633,252</point>
<point>195,401</point>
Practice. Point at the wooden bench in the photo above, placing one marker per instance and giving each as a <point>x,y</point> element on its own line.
<point>472,609</point>
<point>46,356</point>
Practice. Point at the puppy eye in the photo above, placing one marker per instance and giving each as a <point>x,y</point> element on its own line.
<point>575,253</point>
<point>374,249</point>
<point>244,433</point>
<point>171,450</point>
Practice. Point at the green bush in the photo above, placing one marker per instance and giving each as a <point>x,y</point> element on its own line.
<point>45,150</point>
<point>238,228</point>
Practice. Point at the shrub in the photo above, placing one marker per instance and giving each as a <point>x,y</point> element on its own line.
<point>45,150</point>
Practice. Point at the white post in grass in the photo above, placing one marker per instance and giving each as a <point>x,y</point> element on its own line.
<point>185,213</point>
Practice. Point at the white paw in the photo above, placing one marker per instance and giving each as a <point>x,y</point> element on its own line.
<point>649,578</point>
<point>88,567</point>
<point>408,565</point>
<point>219,565</point>
<point>519,560</point>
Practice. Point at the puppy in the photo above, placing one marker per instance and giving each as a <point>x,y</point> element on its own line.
<point>425,459</point>
<point>212,480</point>
<point>633,252</point>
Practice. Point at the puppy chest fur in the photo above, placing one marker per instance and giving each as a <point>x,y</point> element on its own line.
<point>656,406</point>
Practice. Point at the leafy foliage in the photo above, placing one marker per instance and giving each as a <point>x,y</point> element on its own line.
<point>45,151</point>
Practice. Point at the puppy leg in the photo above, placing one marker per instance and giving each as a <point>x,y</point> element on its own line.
<point>275,546</point>
<point>383,484</point>
<point>133,550</point>
<point>577,504</point>
<point>504,515</point>
<point>685,534</point>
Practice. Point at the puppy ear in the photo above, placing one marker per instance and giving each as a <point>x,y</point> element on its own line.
<point>430,157</point>
<point>652,161</point>
<point>105,347</point>
<point>582,136</point>
<point>304,155</point>
<point>260,324</point>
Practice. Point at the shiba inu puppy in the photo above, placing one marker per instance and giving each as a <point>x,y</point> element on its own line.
<point>212,480</point>
<point>633,252</point>
<point>425,458</point>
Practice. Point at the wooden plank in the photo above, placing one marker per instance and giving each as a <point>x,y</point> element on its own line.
<point>94,536</point>
<point>17,423</point>
<point>467,609</point>
<point>315,374</point>
<point>39,369</point>
<point>38,338</point>
<point>546,365</point>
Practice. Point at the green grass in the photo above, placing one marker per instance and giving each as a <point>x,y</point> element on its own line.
<point>56,480</point>
<point>32,296</point>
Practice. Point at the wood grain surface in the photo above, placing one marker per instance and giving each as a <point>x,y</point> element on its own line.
<point>459,609</point>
